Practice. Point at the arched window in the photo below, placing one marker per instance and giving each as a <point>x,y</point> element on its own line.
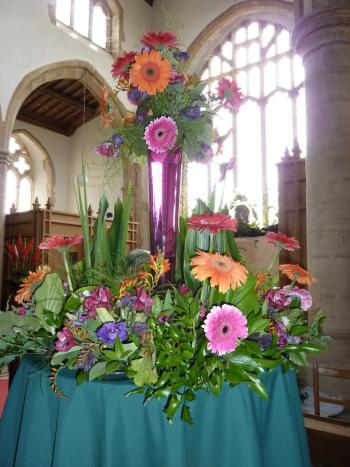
<point>259,55</point>
<point>19,183</point>
<point>90,18</point>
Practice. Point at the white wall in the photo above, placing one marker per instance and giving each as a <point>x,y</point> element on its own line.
<point>29,40</point>
<point>58,148</point>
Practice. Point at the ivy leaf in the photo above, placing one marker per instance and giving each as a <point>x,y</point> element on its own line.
<point>186,415</point>
<point>145,373</point>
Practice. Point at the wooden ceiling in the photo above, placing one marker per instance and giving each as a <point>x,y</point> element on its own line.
<point>59,106</point>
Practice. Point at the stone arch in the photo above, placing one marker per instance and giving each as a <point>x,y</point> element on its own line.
<point>48,164</point>
<point>278,11</point>
<point>68,69</point>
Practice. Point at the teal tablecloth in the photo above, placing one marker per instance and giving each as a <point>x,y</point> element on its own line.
<point>98,427</point>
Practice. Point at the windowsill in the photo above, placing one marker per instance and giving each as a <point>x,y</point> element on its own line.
<point>80,37</point>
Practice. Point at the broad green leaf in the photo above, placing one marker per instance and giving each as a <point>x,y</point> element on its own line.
<point>9,320</point>
<point>97,370</point>
<point>81,377</point>
<point>172,405</point>
<point>186,415</point>
<point>60,357</point>
<point>49,296</point>
<point>104,315</point>
<point>145,372</point>
<point>74,301</point>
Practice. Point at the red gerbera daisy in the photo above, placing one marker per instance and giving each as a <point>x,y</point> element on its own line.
<point>60,243</point>
<point>212,221</point>
<point>229,92</point>
<point>166,39</point>
<point>282,241</point>
<point>120,67</point>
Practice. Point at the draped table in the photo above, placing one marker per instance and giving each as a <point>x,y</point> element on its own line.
<point>98,427</point>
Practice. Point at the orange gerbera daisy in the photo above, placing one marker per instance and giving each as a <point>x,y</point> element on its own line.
<point>24,293</point>
<point>150,72</point>
<point>297,274</point>
<point>222,270</point>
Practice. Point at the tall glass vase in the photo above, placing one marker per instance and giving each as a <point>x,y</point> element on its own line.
<point>164,198</point>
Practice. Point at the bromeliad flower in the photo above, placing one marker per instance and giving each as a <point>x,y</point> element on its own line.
<point>120,67</point>
<point>60,243</point>
<point>222,270</point>
<point>212,221</point>
<point>161,134</point>
<point>282,241</point>
<point>108,332</point>
<point>223,326</point>
<point>24,294</point>
<point>165,39</point>
<point>229,92</point>
<point>65,340</point>
<point>297,274</point>
<point>150,73</point>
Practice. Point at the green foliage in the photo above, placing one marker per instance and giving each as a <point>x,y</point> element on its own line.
<point>48,299</point>
<point>100,253</point>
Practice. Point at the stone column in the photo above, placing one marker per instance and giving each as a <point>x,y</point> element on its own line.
<point>322,38</point>
<point>4,163</point>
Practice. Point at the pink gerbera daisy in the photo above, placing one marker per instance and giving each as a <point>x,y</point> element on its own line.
<point>165,39</point>
<point>60,242</point>
<point>223,326</point>
<point>160,134</point>
<point>229,92</point>
<point>282,241</point>
<point>212,221</point>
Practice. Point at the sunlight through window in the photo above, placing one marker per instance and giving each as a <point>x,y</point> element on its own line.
<point>271,76</point>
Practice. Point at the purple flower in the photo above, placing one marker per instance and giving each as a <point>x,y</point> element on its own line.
<point>163,319</point>
<point>293,339</point>
<point>135,96</point>
<point>88,361</point>
<point>128,300</point>
<point>271,312</point>
<point>65,340</point>
<point>21,311</point>
<point>176,78</point>
<point>183,289</point>
<point>117,140</point>
<point>192,113</point>
<point>205,154</point>
<point>181,56</point>
<point>98,298</point>
<point>108,332</point>
<point>202,312</point>
<point>143,301</point>
<point>282,336</point>
<point>303,294</point>
<point>141,117</point>
<point>107,150</point>
<point>254,337</point>
<point>266,341</point>
<point>139,328</point>
<point>278,299</point>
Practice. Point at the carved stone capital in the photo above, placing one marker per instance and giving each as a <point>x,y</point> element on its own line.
<point>322,29</point>
<point>4,157</point>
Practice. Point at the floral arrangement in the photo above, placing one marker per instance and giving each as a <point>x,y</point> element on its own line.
<point>171,110</point>
<point>219,323</point>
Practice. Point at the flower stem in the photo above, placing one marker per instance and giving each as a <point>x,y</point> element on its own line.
<point>274,259</point>
<point>66,265</point>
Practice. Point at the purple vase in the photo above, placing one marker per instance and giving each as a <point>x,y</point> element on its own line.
<point>164,197</point>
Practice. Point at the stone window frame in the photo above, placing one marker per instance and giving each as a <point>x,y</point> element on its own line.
<point>115,33</point>
<point>12,158</point>
<point>276,12</point>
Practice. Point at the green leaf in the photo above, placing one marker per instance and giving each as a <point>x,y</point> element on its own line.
<point>135,391</point>
<point>81,377</point>
<point>258,387</point>
<point>312,348</point>
<point>59,357</point>
<point>172,405</point>
<point>9,320</point>
<point>145,373</point>
<point>104,315</point>
<point>299,358</point>
<point>49,296</point>
<point>74,301</point>
<point>100,254</point>
<point>112,366</point>
<point>186,415</point>
<point>258,324</point>
<point>97,370</point>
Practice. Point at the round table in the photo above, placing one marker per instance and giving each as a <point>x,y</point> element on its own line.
<point>98,427</point>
